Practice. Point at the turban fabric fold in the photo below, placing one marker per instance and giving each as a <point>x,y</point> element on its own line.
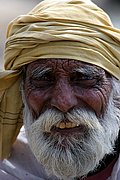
<point>72,29</point>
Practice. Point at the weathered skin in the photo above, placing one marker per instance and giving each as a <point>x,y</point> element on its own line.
<point>64,85</point>
<point>64,89</point>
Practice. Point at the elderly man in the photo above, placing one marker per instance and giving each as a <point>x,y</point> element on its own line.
<point>62,73</point>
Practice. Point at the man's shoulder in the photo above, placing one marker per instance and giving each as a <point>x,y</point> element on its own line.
<point>4,175</point>
<point>116,170</point>
<point>22,164</point>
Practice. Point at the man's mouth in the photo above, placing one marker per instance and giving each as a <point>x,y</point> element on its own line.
<point>66,125</point>
<point>67,128</point>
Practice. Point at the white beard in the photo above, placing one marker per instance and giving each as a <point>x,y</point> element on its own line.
<point>82,152</point>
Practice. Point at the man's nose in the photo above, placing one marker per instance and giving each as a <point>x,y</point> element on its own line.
<point>63,97</point>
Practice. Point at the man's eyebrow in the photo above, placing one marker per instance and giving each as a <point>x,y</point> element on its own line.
<point>40,71</point>
<point>89,71</point>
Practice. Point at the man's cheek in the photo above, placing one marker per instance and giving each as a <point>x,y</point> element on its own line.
<point>37,101</point>
<point>91,99</point>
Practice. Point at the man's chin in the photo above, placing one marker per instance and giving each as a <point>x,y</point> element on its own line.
<point>67,158</point>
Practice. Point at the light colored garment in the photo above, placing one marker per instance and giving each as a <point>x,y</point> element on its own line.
<point>22,164</point>
<point>72,29</point>
<point>116,171</point>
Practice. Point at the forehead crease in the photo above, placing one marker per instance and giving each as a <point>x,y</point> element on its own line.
<point>65,64</point>
<point>51,63</point>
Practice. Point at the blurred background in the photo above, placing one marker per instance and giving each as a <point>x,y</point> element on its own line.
<point>9,9</point>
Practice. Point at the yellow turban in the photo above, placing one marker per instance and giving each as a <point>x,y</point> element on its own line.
<point>72,29</point>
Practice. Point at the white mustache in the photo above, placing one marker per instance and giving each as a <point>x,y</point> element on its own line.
<point>52,117</point>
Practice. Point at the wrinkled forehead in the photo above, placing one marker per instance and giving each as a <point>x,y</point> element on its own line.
<point>66,65</point>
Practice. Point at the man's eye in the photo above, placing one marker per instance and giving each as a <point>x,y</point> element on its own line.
<point>84,81</point>
<point>42,82</point>
<point>42,78</point>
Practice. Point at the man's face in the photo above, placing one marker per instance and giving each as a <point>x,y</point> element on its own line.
<point>68,115</point>
<point>64,85</point>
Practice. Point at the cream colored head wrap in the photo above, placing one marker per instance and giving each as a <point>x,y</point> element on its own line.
<point>72,29</point>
